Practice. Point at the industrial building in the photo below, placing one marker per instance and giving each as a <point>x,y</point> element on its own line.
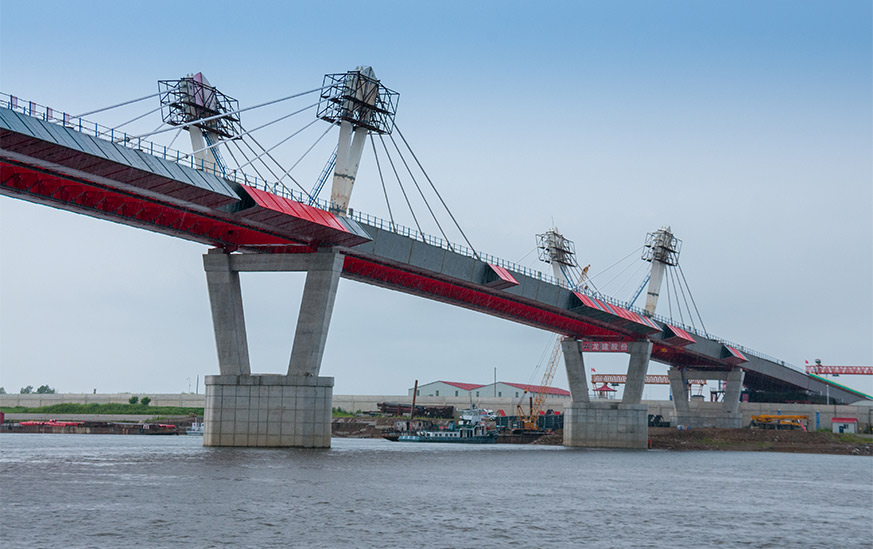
<point>446,389</point>
<point>501,389</point>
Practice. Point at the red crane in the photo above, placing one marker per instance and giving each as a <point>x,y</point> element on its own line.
<point>819,368</point>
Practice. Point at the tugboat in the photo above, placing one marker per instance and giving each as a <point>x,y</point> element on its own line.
<point>470,429</point>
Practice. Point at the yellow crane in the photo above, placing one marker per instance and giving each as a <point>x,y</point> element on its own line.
<point>768,421</point>
<point>530,421</point>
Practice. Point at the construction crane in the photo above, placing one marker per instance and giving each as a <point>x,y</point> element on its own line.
<point>529,422</point>
<point>767,421</point>
<point>819,368</point>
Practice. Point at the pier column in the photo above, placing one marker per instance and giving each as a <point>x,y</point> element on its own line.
<point>732,390</point>
<point>575,366</point>
<point>228,320</point>
<point>679,389</point>
<point>270,409</point>
<point>599,424</point>
<point>723,415</point>
<point>316,308</point>
<point>638,365</point>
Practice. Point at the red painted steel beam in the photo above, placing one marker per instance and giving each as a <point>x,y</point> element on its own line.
<point>95,200</point>
<point>372,272</point>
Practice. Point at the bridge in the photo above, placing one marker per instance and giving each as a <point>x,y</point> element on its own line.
<point>254,225</point>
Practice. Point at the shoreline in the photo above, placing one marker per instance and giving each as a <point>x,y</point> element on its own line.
<point>660,438</point>
<point>666,438</point>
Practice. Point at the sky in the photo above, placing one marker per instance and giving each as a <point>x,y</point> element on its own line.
<point>745,126</point>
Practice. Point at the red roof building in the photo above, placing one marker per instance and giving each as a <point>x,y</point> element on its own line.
<point>447,389</point>
<point>502,389</point>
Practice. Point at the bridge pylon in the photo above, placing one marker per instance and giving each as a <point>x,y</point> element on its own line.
<point>662,250</point>
<point>359,104</point>
<point>270,410</point>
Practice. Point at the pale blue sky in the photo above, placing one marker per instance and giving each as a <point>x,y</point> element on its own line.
<point>744,125</point>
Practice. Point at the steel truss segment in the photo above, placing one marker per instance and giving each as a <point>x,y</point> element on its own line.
<point>192,98</point>
<point>552,247</point>
<point>359,99</point>
<point>662,246</point>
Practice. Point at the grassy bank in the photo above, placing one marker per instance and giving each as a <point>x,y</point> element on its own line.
<point>109,409</point>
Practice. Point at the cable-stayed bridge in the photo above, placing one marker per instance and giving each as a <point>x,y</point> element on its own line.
<point>51,158</point>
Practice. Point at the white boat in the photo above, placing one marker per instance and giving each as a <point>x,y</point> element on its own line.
<point>195,429</point>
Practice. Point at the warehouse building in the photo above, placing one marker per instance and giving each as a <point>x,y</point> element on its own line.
<point>446,389</point>
<point>501,389</point>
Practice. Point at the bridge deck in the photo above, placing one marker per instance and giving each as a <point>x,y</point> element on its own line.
<point>47,163</point>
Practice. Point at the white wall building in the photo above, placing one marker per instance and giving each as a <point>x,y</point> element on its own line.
<point>844,424</point>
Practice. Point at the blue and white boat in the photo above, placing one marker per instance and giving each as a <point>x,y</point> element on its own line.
<point>470,429</point>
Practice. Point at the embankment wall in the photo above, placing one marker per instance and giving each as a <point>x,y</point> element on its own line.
<point>368,403</point>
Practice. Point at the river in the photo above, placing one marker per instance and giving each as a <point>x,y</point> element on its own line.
<point>168,491</point>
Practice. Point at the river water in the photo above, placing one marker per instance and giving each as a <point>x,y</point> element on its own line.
<point>143,491</point>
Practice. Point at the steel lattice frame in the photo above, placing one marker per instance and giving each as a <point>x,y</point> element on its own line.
<point>357,98</point>
<point>186,100</point>
<point>662,246</point>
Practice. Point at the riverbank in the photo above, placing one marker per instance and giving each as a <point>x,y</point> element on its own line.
<point>750,440</point>
<point>761,440</point>
<point>665,438</point>
<point>662,438</point>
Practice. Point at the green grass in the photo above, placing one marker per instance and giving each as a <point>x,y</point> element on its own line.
<point>850,438</point>
<point>339,412</point>
<point>109,409</point>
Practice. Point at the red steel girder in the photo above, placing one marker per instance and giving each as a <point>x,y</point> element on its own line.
<point>501,306</point>
<point>92,199</point>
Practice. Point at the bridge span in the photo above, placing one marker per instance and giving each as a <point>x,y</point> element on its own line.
<point>48,158</point>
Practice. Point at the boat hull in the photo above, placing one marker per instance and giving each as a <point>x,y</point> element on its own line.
<point>485,439</point>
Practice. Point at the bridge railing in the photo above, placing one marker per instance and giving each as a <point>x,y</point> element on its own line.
<point>99,131</point>
<point>124,139</point>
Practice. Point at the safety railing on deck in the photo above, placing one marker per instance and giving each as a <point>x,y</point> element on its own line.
<point>81,125</point>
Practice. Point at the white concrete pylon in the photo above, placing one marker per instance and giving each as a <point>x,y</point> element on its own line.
<point>660,256</point>
<point>655,279</point>
<point>197,97</point>
<point>351,139</point>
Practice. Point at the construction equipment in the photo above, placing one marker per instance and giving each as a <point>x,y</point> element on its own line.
<point>539,398</point>
<point>820,368</point>
<point>769,421</point>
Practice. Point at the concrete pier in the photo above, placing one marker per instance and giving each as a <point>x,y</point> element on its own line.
<point>606,424</point>
<point>724,415</point>
<point>270,409</point>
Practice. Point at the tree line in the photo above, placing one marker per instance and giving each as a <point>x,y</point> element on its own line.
<point>41,390</point>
